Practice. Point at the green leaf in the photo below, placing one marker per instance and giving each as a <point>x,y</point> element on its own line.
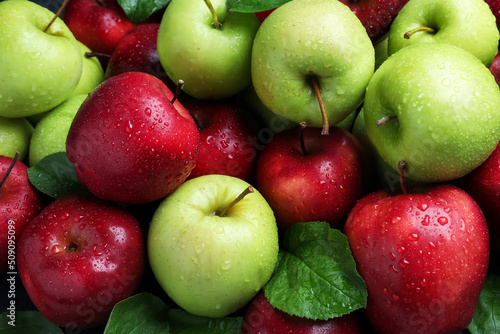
<point>316,278</point>
<point>253,6</point>
<point>141,313</point>
<point>182,322</point>
<point>55,176</point>
<point>139,10</point>
<point>27,322</point>
<point>487,316</point>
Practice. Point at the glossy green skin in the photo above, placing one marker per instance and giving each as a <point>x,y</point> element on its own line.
<point>51,131</point>
<point>92,73</point>
<point>214,63</point>
<point>447,105</point>
<point>211,265</point>
<point>15,134</point>
<point>468,24</point>
<point>39,70</point>
<point>305,38</point>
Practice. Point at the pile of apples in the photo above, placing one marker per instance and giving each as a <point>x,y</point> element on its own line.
<point>294,166</point>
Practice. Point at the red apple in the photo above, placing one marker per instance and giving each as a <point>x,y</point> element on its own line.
<point>129,143</point>
<point>483,184</point>
<point>262,317</point>
<point>495,67</point>
<point>78,258</point>
<point>20,202</point>
<point>320,181</point>
<point>227,139</point>
<point>264,14</point>
<point>423,255</point>
<point>99,24</point>
<point>375,15</point>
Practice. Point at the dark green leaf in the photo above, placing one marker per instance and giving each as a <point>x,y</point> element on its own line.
<point>139,10</point>
<point>487,316</point>
<point>316,278</point>
<point>253,6</point>
<point>55,176</point>
<point>143,313</point>
<point>182,322</point>
<point>27,322</point>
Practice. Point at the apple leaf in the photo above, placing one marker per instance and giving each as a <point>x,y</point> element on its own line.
<point>55,176</point>
<point>139,10</point>
<point>487,316</point>
<point>141,313</point>
<point>146,313</point>
<point>316,278</point>
<point>253,6</point>
<point>27,322</point>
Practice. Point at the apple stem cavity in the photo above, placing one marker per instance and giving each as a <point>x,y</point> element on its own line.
<point>326,126</point>
<point>216,22</point>
<point>245,192</point>
<point>301,138</point>
<point>56,15</point>
<point>386,119</point>
<point>408,34</point>
<point>401,171</point>
<point>14,160</point>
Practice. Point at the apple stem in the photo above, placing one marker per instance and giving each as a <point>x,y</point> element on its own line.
<point>386,119</point>
<point>217,24</point>
<point>180,84</point>
<point>56,15</point>
<point>401,170</point>
<point>301,137</point>
<point>14,160</point>
<point>99,55</point>
<point>408,34</point>
<point>326,126</point>
<point>245,192</point>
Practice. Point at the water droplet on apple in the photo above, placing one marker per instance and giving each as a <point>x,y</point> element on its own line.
<point>219,229</point>
<point>426,221</point>
<point>442,221</point>
<point>422,206</point>
<point>413,237</point>
<point>226,265</point>
<point>403,263</point>
<point>218,306</point>
<point>446,82</point>
<point>393,269</point>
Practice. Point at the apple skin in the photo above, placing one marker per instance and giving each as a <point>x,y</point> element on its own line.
<point>78,258</point>
<point>15,135</point>
<point>52,130</point>
<point>39,70</point>
<point>322,185</point>
<point>92,73</point>
<point>447,107</point>
<point>483,184</point>
<point>329,44</point>
<point>20,203</point>
<point>227,136</point>
<point>129,144</point>
<point>495,68</point>
<point>468,24</point>
<point>211,265</point>
<point>423,255</point>
<point>262,317</point>
<point>100,25</point>
<point>215,62</point>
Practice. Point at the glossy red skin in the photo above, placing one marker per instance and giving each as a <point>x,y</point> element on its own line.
<point>321,186</point>
<point>20,202</point>
<point>424,257</point>
<point>264,14</point>
<point>483,184</point>
<point>262,318</point>
<point>99,27</point>
<point>129,144</point>
<point>375,15</point>
<point>227,140</point>
<point>137,51</point>
<point>78,289</point>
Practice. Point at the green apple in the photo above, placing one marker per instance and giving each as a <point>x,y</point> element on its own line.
<point>39,70</point>
<point>51,131</point>
<point>305,44</point>
<point>381,51</point>
<point>15,134</point>
<point>469,24</point>
<point>209,263</point>
<point>213,62</point>
<point>92,76</point>
<point>436,107</point>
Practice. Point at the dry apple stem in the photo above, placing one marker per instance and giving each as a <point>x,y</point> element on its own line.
<point>14,160</point>
<point>245,192</point>
<point>214,14</point>
<point>325,130</point>
<point>56,15</point>
<point>408,34</point>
